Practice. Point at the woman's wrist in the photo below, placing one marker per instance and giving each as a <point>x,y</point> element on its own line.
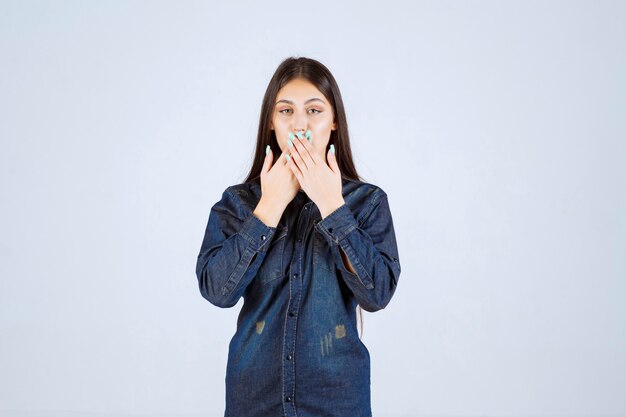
<point>269,212</point>
<point>328,208</point>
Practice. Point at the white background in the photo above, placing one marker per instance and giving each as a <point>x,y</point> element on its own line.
<point>496,128</point>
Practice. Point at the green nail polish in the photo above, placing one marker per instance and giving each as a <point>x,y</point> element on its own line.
<point>291,136</point>
<point>299,135</point>
<point>288,157</point>
<point>332,148</point>
<point>290,143</point>
<point>267,149</point>
<point>308,134</point>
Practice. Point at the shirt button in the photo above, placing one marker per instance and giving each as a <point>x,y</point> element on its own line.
<point>291,314</point>
<point>295,275</point>
<point>288,399</point>
<point>330,229</point>
<point>288,357</point>
<point>299,240</point>
<point>263,237</point>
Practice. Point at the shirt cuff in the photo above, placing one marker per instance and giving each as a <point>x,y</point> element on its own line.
<point>257,233</point>
<point>337,224</point>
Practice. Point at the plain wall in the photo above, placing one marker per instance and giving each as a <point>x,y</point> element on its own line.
<point>496,128</point>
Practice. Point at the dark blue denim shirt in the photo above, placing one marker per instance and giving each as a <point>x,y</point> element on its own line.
<point>296,350</point>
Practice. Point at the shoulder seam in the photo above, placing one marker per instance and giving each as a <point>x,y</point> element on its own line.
<point>379,195</point>
<point>237,201</point>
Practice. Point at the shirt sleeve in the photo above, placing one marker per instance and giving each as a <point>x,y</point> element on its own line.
<point>234,245</point>
<point>370,246</point>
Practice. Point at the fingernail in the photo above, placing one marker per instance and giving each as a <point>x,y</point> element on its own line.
<point>299,135</point>
<point>332,148</point>
<point>267,149</point>
<point>290,143</point>
<point>309,136</point>
<point>291,136</point>
<point>288,157</point>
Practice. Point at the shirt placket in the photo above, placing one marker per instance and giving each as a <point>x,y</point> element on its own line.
<point>291,320</point>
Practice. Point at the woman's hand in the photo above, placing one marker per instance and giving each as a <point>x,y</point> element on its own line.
<point>278,188</point>
<point>320,181</point>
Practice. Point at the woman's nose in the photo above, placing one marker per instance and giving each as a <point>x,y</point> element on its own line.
<point>299,122</point>
<point>296,131</point>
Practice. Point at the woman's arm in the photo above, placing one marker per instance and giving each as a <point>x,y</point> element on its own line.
<point>234,246</point>
<point>369,247</point>
<point>346,261</point>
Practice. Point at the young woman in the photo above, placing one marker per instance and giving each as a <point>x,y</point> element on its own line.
<point>304,241</point>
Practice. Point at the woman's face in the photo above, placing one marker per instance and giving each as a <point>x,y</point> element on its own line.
<point>300,106</point>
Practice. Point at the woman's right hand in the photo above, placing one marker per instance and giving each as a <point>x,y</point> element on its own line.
<point>278,187</point>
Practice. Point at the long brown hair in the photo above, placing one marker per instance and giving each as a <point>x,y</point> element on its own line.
<point>318,75</point>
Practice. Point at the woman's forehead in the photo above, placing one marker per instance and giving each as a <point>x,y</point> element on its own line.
<point>299,90</point>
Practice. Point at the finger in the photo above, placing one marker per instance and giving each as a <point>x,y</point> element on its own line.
<point>294,168</point>
<point>297,156</point>
<point>283,156</point>
<point>332,160</point>
<point>269,156</point>
<point>303,150</point>
<point>308,144</point>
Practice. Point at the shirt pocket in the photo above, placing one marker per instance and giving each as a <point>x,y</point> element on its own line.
<point>272,266</point>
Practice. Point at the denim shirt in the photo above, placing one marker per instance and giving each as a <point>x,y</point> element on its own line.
<point>296,350</point>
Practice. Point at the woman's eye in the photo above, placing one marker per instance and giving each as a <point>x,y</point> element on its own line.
<point>284,111</point>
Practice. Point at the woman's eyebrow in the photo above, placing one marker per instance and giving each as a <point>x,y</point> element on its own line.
<point>308,101</point>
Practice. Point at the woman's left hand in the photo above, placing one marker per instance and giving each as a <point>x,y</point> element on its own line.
<point>321,181</point>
